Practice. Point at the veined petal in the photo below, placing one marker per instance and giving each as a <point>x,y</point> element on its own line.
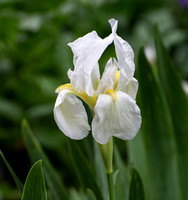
<point>87,50</point>
<point>115,115</point>
<point>108,78</point>
<point>125,57</point>
<point>131,88</point>
<point>94,77</point>
<point>70,115</point>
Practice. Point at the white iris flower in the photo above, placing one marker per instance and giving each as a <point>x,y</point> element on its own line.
<point>111,97</point>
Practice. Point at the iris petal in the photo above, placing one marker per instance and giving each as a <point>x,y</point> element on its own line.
<point>131,88</point>
<point>108,78</point>
<point>70,115</point>
<point>87,51</point>
<point>125,56</point>
<point>119,117</point>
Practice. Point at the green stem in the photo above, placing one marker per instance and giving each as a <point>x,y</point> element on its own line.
<point>110,185</point>
<point>107,155</point>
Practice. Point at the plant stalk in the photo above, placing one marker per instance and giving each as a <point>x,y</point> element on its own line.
<point>110,186</point>
<point>107,155</point>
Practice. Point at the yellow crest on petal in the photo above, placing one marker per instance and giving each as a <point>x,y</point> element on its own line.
<point>112,93</point>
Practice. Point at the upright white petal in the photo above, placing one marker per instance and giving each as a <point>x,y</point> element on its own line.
<point>108,78</point>
<point>113,24</point>
<point>87,50</point>
<point>125,57</point>
<point>131,88</point>
<point>70,115</point>
<point>119,117</point>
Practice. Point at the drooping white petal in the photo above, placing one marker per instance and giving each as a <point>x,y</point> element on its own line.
<point>131,88</point>
<point>108,78</point>
<point>70,115</point>
<point>87,50</point>
<point>119,117</point>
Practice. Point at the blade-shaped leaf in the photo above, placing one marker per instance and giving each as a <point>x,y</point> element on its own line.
<point>83,169</point>
<point>178,104</point>
<point>35,152</point>
<point>100,172</point>
<point>158,137</point>
<point>123,176</point>
<point>136,191</point>
<point>16,179</point>
<point>138,157</point>
<point>115,175</point>
<point>34,187</point>
<point>90,195</point>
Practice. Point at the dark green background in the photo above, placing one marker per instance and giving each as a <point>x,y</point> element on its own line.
<point>34,59</point>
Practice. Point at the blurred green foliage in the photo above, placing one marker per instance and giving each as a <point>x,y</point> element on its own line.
<point>34,59</point>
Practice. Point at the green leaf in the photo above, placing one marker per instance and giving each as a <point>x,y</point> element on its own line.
<point>115,175</point>
<point>100,172</point>
<point>136,191</point>
<point>84,169</point>
<point>137,154</point>
<point>178,104</point>
<point>35,152</point>
<point>123,178</point>
<point>90,195</point>
<point>158,137</point>
<point>34,187</point>
<point>16,179</point>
